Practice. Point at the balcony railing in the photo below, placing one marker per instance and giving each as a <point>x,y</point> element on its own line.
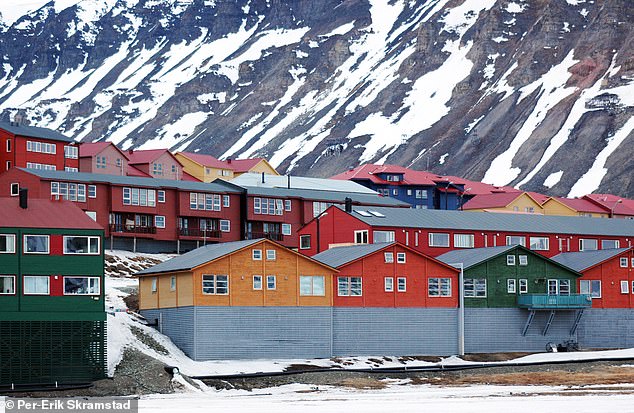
<point>133,229</point>
<point>274,236</point>
<point>554,302</point>
<point>200,233</point>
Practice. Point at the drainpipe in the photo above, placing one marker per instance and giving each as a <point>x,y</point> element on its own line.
<point>461,333</point>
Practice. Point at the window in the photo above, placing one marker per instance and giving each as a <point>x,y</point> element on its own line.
<point>510,286</point>
<point>515,240</point>
<point>400,257</point>
<point>409,192</point>
<point>157,169</point>
<point>204,202</point>
<point>463,240</point>
<point>126,196</point>
<point>389,257</point>
<point>564,287</point>
<point>92,191</point>
<point>154,285</point>
<point>286,229</point>
<point>304,242</point>
<point>475,287</point>
<point>421,193</point>
<point>41,147</point>
<point>217,199</point>
<point>349,286</point>
<point>173,169</point>
<point>438,239</point>
<point>257,282</point>
<point>160,195</point>
<point>7,285</point>
<point>389,284</point>
<point>439,287</point>
<point>35,165</point>
<point>70,169</point>
<point>510,260</point>
<point>268,206</point>
<point>70,152</point>
<point>8,145</point>
<point>215,284</point>
<point>15,189</point>
<point>523,260</point>
<point>270,282</point>
<point>539,243</point>
<point>395,192</point>
<point>256,254</point>
<point>139,196</point>
<point>319,207</point>
<point>173,283</point>
<point>257,206</point>
<point>401,284</point>
<point>361,237</point>
<point>608,244</point>
<point>383,236</point>
<point>36,285</point>
<point>270,255</point>
<point>314,285</point>
<point>225,225</point>
<point>523,286</point>
<point>8,165</point>
<point>81,286</point>
<point>588,244</point>
<point>7,243</point>
<point>226,201</point>
<point>624,262</point>
<point>159,221</point>
<point>36,244</point>
<point>287,205</point>
<point>81,245</point>
<point>591,287</point>
<point>625,287</point>
<point>118,162</point>
<point>101,162</point>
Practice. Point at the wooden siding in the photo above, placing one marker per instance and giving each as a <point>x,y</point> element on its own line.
<point>610,273</point>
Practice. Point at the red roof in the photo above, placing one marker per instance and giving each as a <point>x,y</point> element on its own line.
<point>205,160</point>
<point>44,213</point>
<point>132,171</point>
<point>410,176</point>
<point>480,188</point>
<point>582,205</point>
<point>621,206</point>
<point>499,200</point>
<point>93,148</point>
<point>188,177</point>
<point>147,156</point>
<point>243,165</point>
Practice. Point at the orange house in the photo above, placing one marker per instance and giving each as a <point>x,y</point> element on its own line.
<point>237,274</point>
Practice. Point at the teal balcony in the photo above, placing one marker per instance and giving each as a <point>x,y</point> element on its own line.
<point>554,302</point>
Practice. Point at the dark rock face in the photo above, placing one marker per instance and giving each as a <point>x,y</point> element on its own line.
<point>511,91</point>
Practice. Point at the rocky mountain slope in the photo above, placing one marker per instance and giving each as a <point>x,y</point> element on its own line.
<point>534,93</point>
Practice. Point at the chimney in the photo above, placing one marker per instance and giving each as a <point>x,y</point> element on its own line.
<point>348,205</point>
<point>288,179</point>
<point>229,160</point>
<point>262,177</point>
<point>24,198</point>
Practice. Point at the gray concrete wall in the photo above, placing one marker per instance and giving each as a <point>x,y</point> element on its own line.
<point>492,330</point>
<point>606,328</point>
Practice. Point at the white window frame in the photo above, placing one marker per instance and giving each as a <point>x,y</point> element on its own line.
<point>521,238</point>
<point>388,284</point>
<point>154,285</point>
<point>48,244</point>
<point>271,255</point>
<point>226,201</point>
<point>8,145</point>
<point>225,225</point>
<point>401,258</point>
<point>523,285</point>
<point>537,242</point>
<point>256,255</point>
<point>523,260</point>
<point>616,242</point>
<point>257,282</point>
<point>288,205</point>
<point>160,196</point>
<point>214,280</point>
<point>173,283</point>
<point>363,234</point>
<point>388,236</point>
<point>432,236</point>
<point>302,245</point>
<point>97,279</point>
<point>511,286</point>
<point>623,262</point>
<point>475,282</point>
<point>158,218</point>
<point>9,236</point>
<point>271,282</point>
<point>12,284</point>
<point>585,287</point>
<point>92,191</point>
<point>286,229</point>
<point>510,260</point>
<point>401,284</point>
<point>349,290</point>
<point>388,257</point>
<point>459,240</point>
<point>441,284</point>
<point>48,284</point>
<point>583,241</point>
<point>305,279</point>
<point>625,287</point>
<point>15,189</point>
<point>91,239</point>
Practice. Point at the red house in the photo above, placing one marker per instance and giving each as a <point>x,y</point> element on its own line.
<point>102,158</point>
<point>25,146</point>
<point>142,214</point>
<point>435,232</point>
<point>157,163</point>
<point>608,275</point>
<point>390,275</point>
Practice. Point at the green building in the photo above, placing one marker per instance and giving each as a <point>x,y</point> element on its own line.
<point>52,312</point>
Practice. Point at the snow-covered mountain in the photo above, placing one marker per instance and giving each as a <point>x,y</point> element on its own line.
<point>536,93</point>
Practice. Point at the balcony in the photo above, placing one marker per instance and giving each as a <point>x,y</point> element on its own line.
<point>554,302</point>
<point>273,236</point>
<point>199,233</point>
<point>132,229</point>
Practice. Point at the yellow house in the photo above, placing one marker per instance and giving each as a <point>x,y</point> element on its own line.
<point>518,202</point>
<point>574,207</point>
<point>207,168</point>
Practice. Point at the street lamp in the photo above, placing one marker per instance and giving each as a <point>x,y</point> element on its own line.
<point>614,206</point>
<point>461,195</point>
<point>447,194</point>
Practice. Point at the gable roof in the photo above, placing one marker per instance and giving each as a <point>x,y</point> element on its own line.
<point>620,205</point>
<point>497,200</point>
<point>480,188</point>
<point>410,176</point>
<point>479,221</point>
<point>199,256</point>
<point>44,213</point>
<point>34,132</point>
<point>299,183</point>
<point>93,148</point>
<point>583,260</point>
<point>205,160</point>
<point>473,256</point>
<point>243,165</point>
<point>338,256</point>
<point>325,196</point>
<point>216,186</point>
<point>148,156</point>
<point>581,205</point>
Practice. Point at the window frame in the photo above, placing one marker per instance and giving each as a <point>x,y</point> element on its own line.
<point>173,283</point>
<point>523,260</point>
<point>388,257</point>
<point>90,237</point>
<point>523,285</point>
<point>539,239</point>
<point>48,284</point>
<point>626,284</point>
<point>48,244</point>
<point>510,237</point>
<point>431,237</point>
<point>401,284</point>
<point>154,285</point>
<point>156,221</point>
<point>470,237</point>
<point>271,255</point>
<point>287,229</point>
<point>442,284</point>
<point>624,260</point>
<point>225,225</point>
<point>12,236</point>
<point>389,236</point>
<point>89,278</point>
<point>475,282</point>
<point>13,279</point>
<point>257,279</point>
<point>214,280</point>
<point>160,196</point>
<point>301,242</point>
<point>349,290</point>
<point>511,286</point>
<point>401,258</point>
<point>388,284</point>
<point>590,290</point>
<point>312,279</point>
<point>364,234</point>
<point>92,191</point>
<point>253,255</point>
<point>510,260</point>
<point>582,242</point>
<point>271,280</point>
<point>14,189</point>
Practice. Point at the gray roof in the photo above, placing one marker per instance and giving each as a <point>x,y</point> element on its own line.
<point>325,196</point>
<point>491,221</point>
<point>300,182</point>
<point>216,186</point>
<point>338,256</point>
<point>199,256</point>
<point>473,256</point>
<point>34,132</point>
<point>580,261</point>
